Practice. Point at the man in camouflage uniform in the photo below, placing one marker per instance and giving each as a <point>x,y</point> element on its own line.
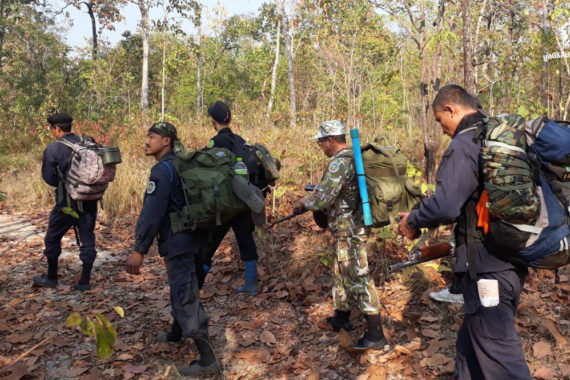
<point>339,199</point>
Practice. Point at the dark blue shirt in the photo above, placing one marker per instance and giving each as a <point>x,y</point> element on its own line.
<point>162,196</point>
<point>229,140</point>
<point>457,188</point>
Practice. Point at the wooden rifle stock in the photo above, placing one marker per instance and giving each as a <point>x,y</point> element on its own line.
<point>421,255</point>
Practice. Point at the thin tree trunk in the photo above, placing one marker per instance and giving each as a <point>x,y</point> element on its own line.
<point>93,28</point>
<point>145,24</point>
<point>290,72</point>
<point>199,71</point>
<point>468,76</point>
<point>274,70</point>
<point>163,89</point>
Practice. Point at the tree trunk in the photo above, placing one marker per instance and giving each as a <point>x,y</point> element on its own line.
<point>145,26</point>
<point>290,73</point>
<point>199,71</point>
<point>89,6</point>
<point>468,69</point>
<point>163,89</point>
<point>274,70</point>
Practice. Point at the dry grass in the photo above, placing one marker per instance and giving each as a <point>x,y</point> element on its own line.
<point>302,163</point>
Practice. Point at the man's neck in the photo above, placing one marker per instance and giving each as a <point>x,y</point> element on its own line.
<point>339,147</point>
<point>158,155</point>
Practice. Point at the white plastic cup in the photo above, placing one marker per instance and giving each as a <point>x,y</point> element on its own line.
<point>488,292</point>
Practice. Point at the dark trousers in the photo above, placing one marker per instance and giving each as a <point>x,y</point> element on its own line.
<point>488,345</point>
<point>243,228</point>
<point>59,223</point>
<point>185,297</point>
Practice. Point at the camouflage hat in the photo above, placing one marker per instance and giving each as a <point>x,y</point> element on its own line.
<point>330,128</point>
<point>164,129</point>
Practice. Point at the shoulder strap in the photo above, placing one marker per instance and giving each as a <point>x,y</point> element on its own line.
<point>67,143</point>
<point>170,168</point>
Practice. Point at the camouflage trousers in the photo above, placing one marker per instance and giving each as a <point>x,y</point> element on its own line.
<point>353,287</point>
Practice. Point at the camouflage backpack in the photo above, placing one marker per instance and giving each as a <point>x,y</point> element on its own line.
<point>390,191</point>
<point>524,221</point>
<point>207,182</point>
<point>91,169</point>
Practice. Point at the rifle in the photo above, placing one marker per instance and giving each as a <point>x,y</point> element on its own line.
<point>421,255</point>
<point>309,187</point>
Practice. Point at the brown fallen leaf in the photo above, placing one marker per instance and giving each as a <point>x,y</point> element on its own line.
<point>564,370</point>
<point>541,349</point>
<point>19,338</point>
<point>543,373</point>
<point>430,333</point>
<point>135,369</point>
<point>281,294</point>
<point>267,337</point>
<point>561,341</point>
<point>125,357</point>
<point>438,359</point>
<point>247,339</point>
<point>402,350</point>
<point>76,371</point>
<point>14,372</point>
<point>344,339</point>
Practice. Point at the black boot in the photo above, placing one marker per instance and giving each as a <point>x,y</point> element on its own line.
<point>49,279</point>
<point>340,320</point>
<point>83,283</point>
<point>172,336</point>
<point>374,338</point>
<point>207,365</point>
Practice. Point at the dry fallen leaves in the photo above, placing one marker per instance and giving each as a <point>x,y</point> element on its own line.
<point>543,373</point>
<point>541,349</point>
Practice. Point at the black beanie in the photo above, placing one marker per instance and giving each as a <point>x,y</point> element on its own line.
<point>220,112</point>
<point>59,118</point>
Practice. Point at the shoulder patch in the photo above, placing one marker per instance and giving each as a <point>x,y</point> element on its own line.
<point>333,168</point>
<point>210,144</point>
<point>151,187</point>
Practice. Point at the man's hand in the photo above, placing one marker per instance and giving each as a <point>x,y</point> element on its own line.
<point>134,263</point>
<point>299,206</point>
<point>405,229</point>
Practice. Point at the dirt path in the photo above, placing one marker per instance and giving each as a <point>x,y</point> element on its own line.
<point>276,335</point>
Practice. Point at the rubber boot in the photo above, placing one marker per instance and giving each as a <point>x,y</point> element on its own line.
<point>83,284</point>
<point>172,336</point>
<point>374,338</point>
<point>250,286</point>
<point>49,279</point>
<point>207,364</point>
<point>340,320</point>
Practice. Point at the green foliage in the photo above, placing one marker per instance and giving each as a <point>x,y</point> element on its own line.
<point>97,326</point>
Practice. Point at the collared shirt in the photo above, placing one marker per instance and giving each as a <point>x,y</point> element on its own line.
<point>162,195</point>
<point>457,186</point>
<point>338,196</point>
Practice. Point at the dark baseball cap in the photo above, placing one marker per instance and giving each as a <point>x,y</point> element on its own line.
<point>220,112</point>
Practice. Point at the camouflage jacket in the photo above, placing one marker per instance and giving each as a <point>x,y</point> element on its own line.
<point>338,196</point>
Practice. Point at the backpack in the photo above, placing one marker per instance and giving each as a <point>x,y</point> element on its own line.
<point>524,222</point>
<point>268,167</point>
<point>207,183</point>
<point>390,191</point>
<point>91,168</point>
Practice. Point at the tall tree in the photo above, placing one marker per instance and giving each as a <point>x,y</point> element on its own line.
<point>468,68</point>
<point>290,68</point>
<point>106,12</point>
<point>144,8</point>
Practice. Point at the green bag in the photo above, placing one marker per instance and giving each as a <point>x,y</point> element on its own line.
<point>507,170</point>
<point>207,182</point>
<point>390,191</point>
<point>269,164</point>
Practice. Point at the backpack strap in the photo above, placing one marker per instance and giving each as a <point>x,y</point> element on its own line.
<point>170,168</point>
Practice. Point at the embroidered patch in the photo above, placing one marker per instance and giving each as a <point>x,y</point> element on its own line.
<point>210,144</point>
<point>151,187</point>
<point>333,168</point>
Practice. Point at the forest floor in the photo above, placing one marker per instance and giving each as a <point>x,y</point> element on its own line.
<point>275,335</point>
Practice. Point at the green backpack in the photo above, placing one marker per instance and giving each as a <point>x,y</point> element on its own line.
<point>207,177</point>
<point>390,191</point>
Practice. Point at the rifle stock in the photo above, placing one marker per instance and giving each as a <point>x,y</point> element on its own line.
<point>422,255</point>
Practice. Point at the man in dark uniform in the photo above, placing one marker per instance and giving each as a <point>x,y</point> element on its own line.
<point>241,224</point>
<point>488,346</point>
<point>66,213</point>
<point>163,194</point>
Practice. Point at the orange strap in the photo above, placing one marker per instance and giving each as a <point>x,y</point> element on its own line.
<point>483,212</point>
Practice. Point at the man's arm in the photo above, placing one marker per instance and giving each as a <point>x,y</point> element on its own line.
<point>154,210</point>
<point>332,183</point>
<point>49,166</point>
<point>456,181</point>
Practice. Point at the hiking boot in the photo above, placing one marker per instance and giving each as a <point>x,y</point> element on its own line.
<point>445,295</point>
<point>250,285</point>
<point>44,281</point>
<point>247,194</point>
<point>336,324</point>
<point>172,336</point>
<point>196,369</point>
<point>364,344</point>
<point>81,287</point>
